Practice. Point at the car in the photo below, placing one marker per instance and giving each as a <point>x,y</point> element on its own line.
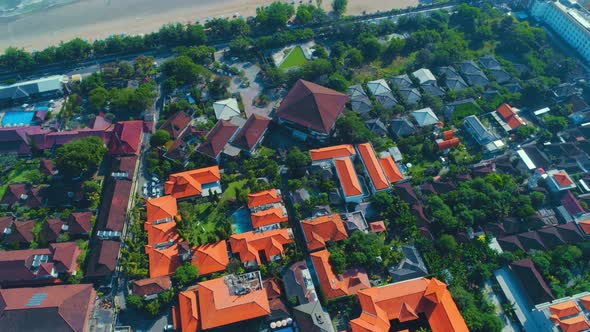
<point>169,327</point>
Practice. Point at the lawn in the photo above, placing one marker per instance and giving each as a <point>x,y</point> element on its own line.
<point>294,59</point>
<point>230,191</point>
<point>22,172</point>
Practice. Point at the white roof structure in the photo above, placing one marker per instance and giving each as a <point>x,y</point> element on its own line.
<point>226,109</point>
<point>425,117</point>
<point>526,160</point>
<point>424,76</point>
<point>379,87</point>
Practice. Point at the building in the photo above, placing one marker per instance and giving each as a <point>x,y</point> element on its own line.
<point>410,267</point>
<point>531,281</point>
<point>298,283</point>
<point>226,109</point>
<point>559,180</point>
<point>376,126</point>
<point>410,95</point>
<point>382,93</point>
<point>477,130</point>
<point>331,152</point>
<point>55,308</point>
<point>401,127</point>
<point>472,74</point>
<point>406,301</point>
<point>507,116</point>
<point>197,182</point>
<point>402,81</point>
<point>453,81</point>
<point>570,23</point>
<point>264,199</point>
<point>333,286</point>
<point>311,110</point>
<point>373,168</point>
<point>311,317</point>
<point>218,137</point>
<point>359,101</point>
<point>424,77</point>
<point>267,210</point>
<point>211,258</point>
<point>177,124</point>
<point>320,230</point>
<point>250,136</point>
<point>151,287</point>
<point>391,170</point>
<point>126,138</point>
<point>349,182</point>
<point>255,248</point>
<point>47,88</point>
<point>103,260</point>
<point>163,258</point>
<point>425,117</point>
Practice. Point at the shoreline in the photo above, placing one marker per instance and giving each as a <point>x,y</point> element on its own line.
<point>97,19</point>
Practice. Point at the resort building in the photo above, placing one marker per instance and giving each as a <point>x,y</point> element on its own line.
<point>507,116</point>
<point>198,182</point>
<point>149,288</point>
<point>333,286</point>
<point>256,248</point>
<point>320,230</point>
<point>250,136</point>
<point>46,88</point>
<point>378,180</point>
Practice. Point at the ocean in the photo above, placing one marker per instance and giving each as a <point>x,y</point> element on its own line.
<point>12,8</point>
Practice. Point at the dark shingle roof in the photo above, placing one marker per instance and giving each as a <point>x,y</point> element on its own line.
<point>531,280</point>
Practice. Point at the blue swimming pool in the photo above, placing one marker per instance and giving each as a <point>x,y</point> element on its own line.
<point>16,119</point>
<point>41,108</point>
<point>242,223</point>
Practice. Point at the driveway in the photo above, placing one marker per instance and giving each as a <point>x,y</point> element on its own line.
<point>142,322</point>
<point>253,90</point>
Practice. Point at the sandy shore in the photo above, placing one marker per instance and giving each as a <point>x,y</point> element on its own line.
<point>92,19</point>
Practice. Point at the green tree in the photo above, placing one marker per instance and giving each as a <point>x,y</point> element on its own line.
<point>153,307</point>
<point>274,16</point>
<point>185,275</point>
<point>159,138</point>
<point>351,129</point>
<point>240,45</point>
<point>80,156</point>
<point>296,159</point>
<point>16,59</point>
<point>97,98</point>
<point>134,301</point>
<point>91,190</point>
<point>555,124</point>
<point>369,46</point>
<point>337,260</point>
<point>339,6</point>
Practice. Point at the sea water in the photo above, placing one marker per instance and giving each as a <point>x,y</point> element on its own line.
<point>11,8</point>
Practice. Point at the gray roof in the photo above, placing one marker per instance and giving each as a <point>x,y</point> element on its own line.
<point>411,266</point>
<point>376,127</point>
<point>425,117</point>
<point>432,90</point>
<point>312,317</point>
<point>402,81</point>
<point>449,108</point>
<point>489,62</point>
<point>512,87</point>
<point>500,75</point>
<point>424,76</point>
<point>453,81</point>
<point>359,100</point>
<point>479,132</point>
<point>411,95</point>
<point>382,92</point>
<point>401,127</point>
<point>29,88</point>
<point>472,74</point>
<point>469,67</point>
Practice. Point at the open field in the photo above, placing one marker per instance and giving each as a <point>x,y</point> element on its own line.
<point>294,59</point>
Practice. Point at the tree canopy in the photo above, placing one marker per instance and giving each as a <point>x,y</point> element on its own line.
<point>80,157</point>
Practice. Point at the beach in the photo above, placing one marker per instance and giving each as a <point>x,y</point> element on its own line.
<point>96,19</point>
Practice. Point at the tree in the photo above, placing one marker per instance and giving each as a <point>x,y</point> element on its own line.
<point>185,274</point>
<point>134,301</point>
<point>16,59</point>
<point>337,82</point>
<point>91,190</point>
<point>218,87</point>
<point>97,98</point>
<point>159,138</point>
<point>240,45</point>
<point>351,129</point>
<point>80,156</point>
<point>369,46</point>
<point>297,159</point>
<point>185,71</point>
<point>524,132</point>
<point>339,6</point>
<point>337,260</point>
<point>555,124</point>
<point>153,307</point>
<point>354,58</point>
<point>274,17</point>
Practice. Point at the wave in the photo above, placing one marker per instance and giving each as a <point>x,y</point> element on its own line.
<point>12,8</point>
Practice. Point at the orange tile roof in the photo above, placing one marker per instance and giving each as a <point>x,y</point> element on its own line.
<point>564,309</point>
<point>332,152</point>
<point>161,208</point>
<point>377,226</point>
<point>585,225</point>
<point>249,244</point>
<point>451,143</point>
<point>448,134</point>
<point>348,178</point>
<point>575,324</point>
<point>218,307</point>
<point>187,307</point>
<point>210,258</point>
<point>189,183</point>
<point>268,217</point>
<point>405,301</point>
<point>333,287</point>
<point>562,179</point>
<point>162,262</point>
<point>509,116</point>
<point>160,233</point>
<point>373,166</point>
<point>585,302</point>
<point>264,198</point>
<point>391,170</point>
<point>322,229</point>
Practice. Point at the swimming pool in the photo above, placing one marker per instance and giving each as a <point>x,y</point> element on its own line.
<point>242,223</point>
<point>16,119</point>
<point>41,108</point>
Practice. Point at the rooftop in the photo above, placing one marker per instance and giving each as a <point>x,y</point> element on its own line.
<point>320,230</point>
<point>332,152</point>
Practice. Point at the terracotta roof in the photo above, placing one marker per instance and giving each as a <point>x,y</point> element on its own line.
<point>332,152</point>
<point>218,307</point>
<point>448,134</point>
<point>24,194</point>
<point>351,282</point>
<point>564,309</point>
<point>210,258</point>
<point>160,233</point>
<point>190,183</point>
<point>189,315</point>
<point>80,223</point>
<point>217,138</point>
<point>118,206</point>
<point>164,210</point>
<point>22,232</point>
<point>126,137</point>
<point>176,124</point>
<point>404,301</point>
<point>562,179</point>
<point>391,170</point>
<point>103,259</point>
<point>47,167</point>
<point>571,204</point>
<point>252,132</point>
<point>51,229</point>
<point>151,286</point>
<point>585,225</point>
<point>162,261</point>
<point>65,257</point>
<point>447,144</point>
<point>249,245</point>
<point>585,302</point>
<point>312,106</point>
<point>322,229</point>
<point>509,116</point>
<point>373,167</point>
<point>575,324</point>
<point>348,178</point>
<point>264,198</point>
<point>62,308</point>
<point>15,265</point>
<point>268,217</point>
<point>377,226</point>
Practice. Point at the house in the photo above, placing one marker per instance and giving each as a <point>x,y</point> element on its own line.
<point>38,266</point>
<point>21,232</point>
<point>211,258</point>
<point>402,81</point>
<point>51,229</point>
<point>298,283</point>
<point>160,225</point>
<point>222,133</point>
<point>478,131</point>
<point>312,317</point>
<point>531,281</point>
<point>571,204</point>
<point>197,182</point>
<point>80,223</point>
<point>433,90</point>
<point>250,136</point>
<point>508,117</point>
<point>405,191</point>
<point>24,194</point>
<point>376,127</point>
<point>559,180</point>
<point>349,182</point>
<point>401,127</point>
<point>176,124</point>
<point>278,309</point>
<point>47,167</point>
<point>180,148</point>
<point>448,140</point>
<point>164,258</point>
<point>354,221</point>
<point>320,230</point>
<point>150,288</point>
<point>424,77</point>
<point>58,308</point>
<point>359,101</point>
<point>264,199</point>
<point>377,226</point>
<point>544,238</point>
<point>377,177</point>
<point>425,117</point>
<point>255,248</point>
<point>410,95</point>
<point>311,110</point>
<point>410,267</point>
<point>270,217</point>
<point>489,62</point>
<point>103,259</point>
<point>453,81</point>
<point>500,75</point>
<point>226,109</point>
<point>407,301</point>
<point>126,138</point>
<point>472,74</point>
<point>331,152</point>
<point>46,87</point>
<point>382,93</point>
<point>349,283</point>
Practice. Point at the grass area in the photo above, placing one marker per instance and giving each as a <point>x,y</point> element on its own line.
<point>464,110</point>
<point>230,191</point>
<point>22,172</point>
<point>294,59</point>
